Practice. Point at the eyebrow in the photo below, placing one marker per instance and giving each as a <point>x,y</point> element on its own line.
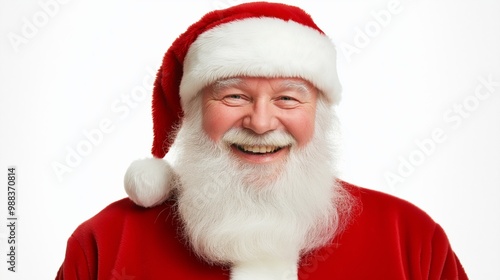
<point>295,85</point>
<point>299,86</point>
<point>220,85</point>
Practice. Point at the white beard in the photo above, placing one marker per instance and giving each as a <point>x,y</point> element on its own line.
<point>235,213</point>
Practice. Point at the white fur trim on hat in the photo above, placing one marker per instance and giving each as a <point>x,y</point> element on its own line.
<point>261,47</point>
<point>148,182</point>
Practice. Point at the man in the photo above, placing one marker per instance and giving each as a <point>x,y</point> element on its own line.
<point>243,104</point>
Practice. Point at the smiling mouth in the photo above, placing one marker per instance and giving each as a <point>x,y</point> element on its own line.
<point>258,150</point>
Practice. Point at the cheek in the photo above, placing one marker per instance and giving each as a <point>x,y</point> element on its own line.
<point>301,126</point>
<point>217,121</point>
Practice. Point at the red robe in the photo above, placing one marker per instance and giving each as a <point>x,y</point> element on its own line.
<point>388,238</point>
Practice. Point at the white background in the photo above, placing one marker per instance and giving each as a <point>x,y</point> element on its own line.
<point>83,60</point>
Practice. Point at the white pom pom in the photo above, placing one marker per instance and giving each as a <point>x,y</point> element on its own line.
<point>148,182</point>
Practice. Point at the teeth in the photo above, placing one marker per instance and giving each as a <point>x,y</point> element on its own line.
<point>259,149</point>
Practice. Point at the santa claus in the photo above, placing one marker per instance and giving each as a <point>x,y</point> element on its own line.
<point>244,106</point>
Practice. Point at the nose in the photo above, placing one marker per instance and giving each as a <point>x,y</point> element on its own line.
<point>261,118</point>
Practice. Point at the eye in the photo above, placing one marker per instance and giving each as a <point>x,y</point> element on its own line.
<point>286,98</point>
<point>287,102</point>
<point>234,99</point>
<point>233,96</point>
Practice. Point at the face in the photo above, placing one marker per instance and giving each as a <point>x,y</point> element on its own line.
<point>262,107</point>
<point>270,210</point>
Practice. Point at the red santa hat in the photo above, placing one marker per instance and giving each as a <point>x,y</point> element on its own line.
<point>257,39</point>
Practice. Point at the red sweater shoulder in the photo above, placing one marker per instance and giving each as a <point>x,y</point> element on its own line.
<point>387,238</point>
<point>125,240</point>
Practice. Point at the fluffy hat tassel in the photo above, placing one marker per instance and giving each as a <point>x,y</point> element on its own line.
<point>148,182</point>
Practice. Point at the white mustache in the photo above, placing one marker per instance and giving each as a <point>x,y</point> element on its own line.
<point>241,136</point>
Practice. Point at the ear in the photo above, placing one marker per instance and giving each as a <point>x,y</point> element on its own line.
<point>149,182</point>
